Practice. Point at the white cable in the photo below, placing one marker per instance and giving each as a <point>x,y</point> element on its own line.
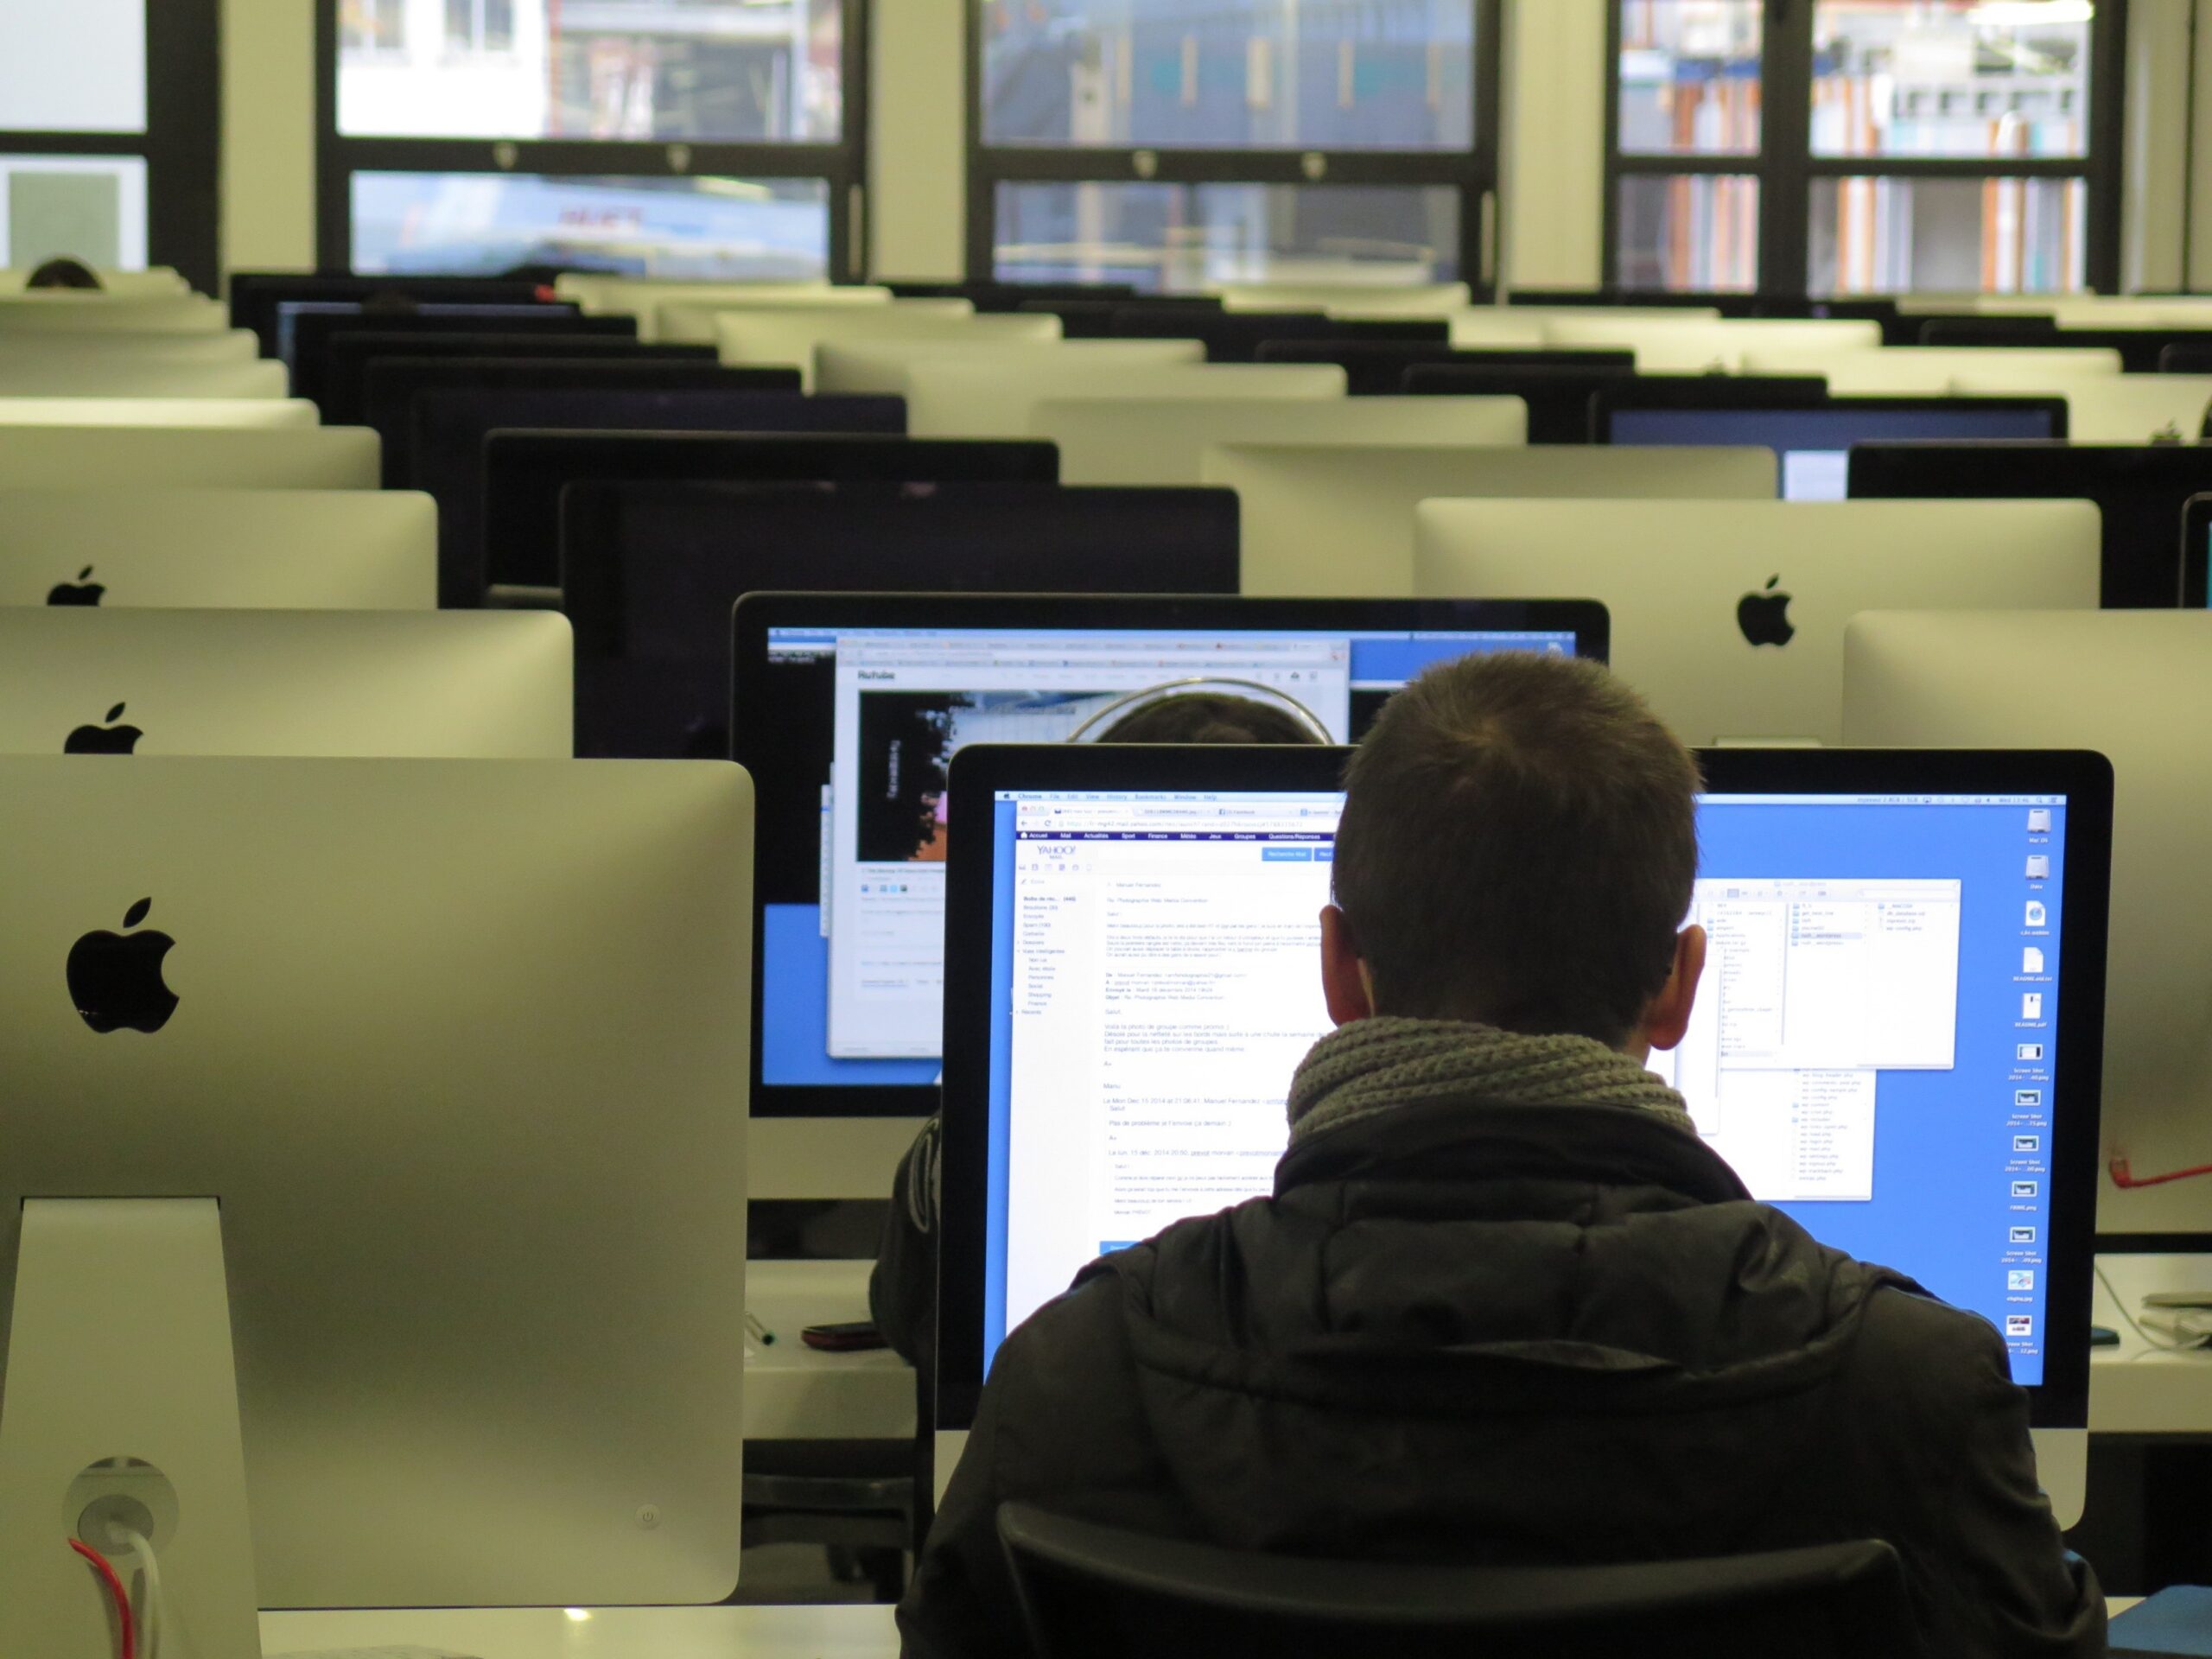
<point>149,1575</point>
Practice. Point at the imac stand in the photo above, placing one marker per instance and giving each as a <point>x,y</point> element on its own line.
<point>121,1401</point>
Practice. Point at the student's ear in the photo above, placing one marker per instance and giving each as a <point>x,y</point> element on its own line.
<point>1343,976</point>
<point>1667,1021</point>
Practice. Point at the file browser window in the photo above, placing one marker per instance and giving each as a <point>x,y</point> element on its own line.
<point>1873,1049</point>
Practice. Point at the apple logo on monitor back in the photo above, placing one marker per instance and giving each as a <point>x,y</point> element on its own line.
<point>115,979</point>
<point>83,591</point>
<point>1764,616</point>
<point>110,739</point>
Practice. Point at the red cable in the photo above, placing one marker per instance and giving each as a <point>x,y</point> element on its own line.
<point>114,1588</point>
<point>2127,1181</point>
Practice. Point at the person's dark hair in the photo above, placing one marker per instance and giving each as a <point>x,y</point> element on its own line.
<point>1207,717</point>
<point>1519,848</point>
<point>64,272</point>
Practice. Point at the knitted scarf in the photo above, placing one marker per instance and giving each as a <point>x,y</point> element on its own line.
<point>1377,1065</point>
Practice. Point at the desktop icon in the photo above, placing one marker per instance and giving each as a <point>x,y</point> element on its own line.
<point>2029,1051</point>
<point>2032,1006</point>
<point>83,591</point>
<point>2038,867</point>
<point>1764,616</point>
<point>108,739</point>
<point>2020,1326</point>
<point>2027,1099</point>
<point>2031,960</point>
<point>2038,916</point>
<point>2027,1143</point>
<point>2024,1189</point>
<point>2022,1235</point>
<point>115,979</point>
<point>2038,820</point>
<point>2020,1278</point>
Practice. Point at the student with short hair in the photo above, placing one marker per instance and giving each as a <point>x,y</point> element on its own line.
<point>63,273</point>
<point>1503,1306</point>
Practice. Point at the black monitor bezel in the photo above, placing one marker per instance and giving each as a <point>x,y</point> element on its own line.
<point>755,614</point>
<point>2084,779</point>
<point>1656,394</point>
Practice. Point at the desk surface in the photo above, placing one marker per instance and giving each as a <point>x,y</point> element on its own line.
<point>858,1632</point>
<point>794,1393</point>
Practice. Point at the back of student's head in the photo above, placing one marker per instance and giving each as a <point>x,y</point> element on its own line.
<point>1518,847</point>
<point>1208,717</point>
<point>63,273</point>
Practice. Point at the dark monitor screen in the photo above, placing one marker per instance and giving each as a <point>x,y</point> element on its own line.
<point>848,707</point>
<point>1558,399</point>
<point>1237,336</point>
<point>449,429</point>
<point>2140,488</point>
<point>385,377</point>
<point>650,572</point>
<point>1813,444</point>
<point>346,357</point>
<point>255,294</point>
<point>309,329</point>
<point>1377,368</point>
<point>525,471</point>
<point>2196,553</point>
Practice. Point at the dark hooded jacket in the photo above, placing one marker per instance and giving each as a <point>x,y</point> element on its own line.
<point>1507,1334</point>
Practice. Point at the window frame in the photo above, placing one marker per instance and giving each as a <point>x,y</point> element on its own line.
<point>841,164</point>
<point>1787,168</point>
<point>1473,172</point>
<point>182,144</point>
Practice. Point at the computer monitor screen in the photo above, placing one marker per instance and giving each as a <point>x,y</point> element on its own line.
<point>305,328</point>
<point>1897,1040</point>
<point>526,472</point>
<point>390,385</point>
<point>2196,553</point>
<point>849,710</point>
<point>1814,444</point>
<point>255,294</point>
<point>2140,488</point>
<point>450,427</point>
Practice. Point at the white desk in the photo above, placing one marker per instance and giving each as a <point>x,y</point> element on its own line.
<point>2136,1389</point>
<point>854,1632</point>
<point>794,1393</point>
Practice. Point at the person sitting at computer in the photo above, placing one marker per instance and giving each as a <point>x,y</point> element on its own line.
<point>902,1291</point>
<point>63,273</point>
<point>1504,1306</point>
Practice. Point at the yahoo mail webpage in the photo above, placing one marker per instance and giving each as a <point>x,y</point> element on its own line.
<point>853,968</point>
<point>1873,1050</point>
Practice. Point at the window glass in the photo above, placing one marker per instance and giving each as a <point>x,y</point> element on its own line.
<point>480,223</point>
<point>1175,237</point>
<point>727,71</point>
<point>1303,74</point>
<point>87,207</point>
<point>73,65</point>
<point>1955,78</point>
<point>1949,236</point>
<point>1690,231</point>
<point>1690,77</point>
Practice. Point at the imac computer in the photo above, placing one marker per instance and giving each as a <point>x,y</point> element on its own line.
<point>372,1224</point>
<point>2133,686</point>
<point>790,335</point>
<point>526,471</point>
<point>849,707</point>
<point>390,385</point>
<point>350,357</point>
<point>1728,616</point>
<point>1240,336</point>
<point>108,373</point>
<point>1323,519</point>
<point>252,414</point>
<point>2140,488</point>
<point>451,428</point>
<point>231,549</point>
<point>255,294</point>
<point>1558,394</point>
<point>306,329</point>
<point>1377,368</point>
<point>486,685</point>
<point>1164,441</point>
<point>1814,437</point>
<point>2197,553</point>
<point>651,572</point>
<point>188,457</point>
<point>1922,1095</point>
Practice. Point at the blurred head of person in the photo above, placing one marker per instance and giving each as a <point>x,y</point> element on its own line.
<point>64,272</point>
<point>1208,717</point>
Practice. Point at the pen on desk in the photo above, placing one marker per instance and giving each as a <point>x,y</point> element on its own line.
<point>760,1332</point>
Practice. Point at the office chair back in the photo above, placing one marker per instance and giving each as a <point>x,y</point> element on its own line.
<point>1089,1592</point>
